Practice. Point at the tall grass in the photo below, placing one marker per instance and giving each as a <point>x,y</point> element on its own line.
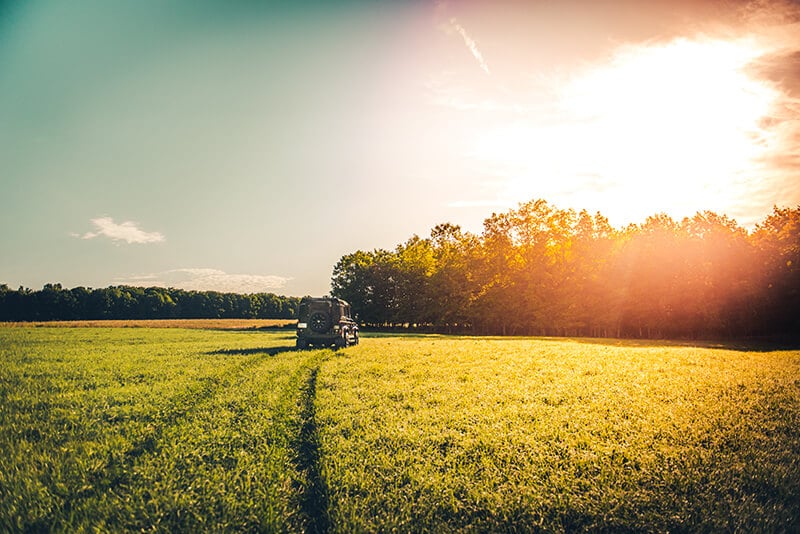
<point>106,429</point>
<point>152,429</point>
<point>433,434</point>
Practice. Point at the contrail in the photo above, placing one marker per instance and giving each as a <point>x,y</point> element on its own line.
<point>471,44</point>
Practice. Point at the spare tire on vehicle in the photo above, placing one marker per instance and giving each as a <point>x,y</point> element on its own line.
<point>325,321</point>
<point>319,322</point>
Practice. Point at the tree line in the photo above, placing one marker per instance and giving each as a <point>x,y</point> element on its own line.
<point>540,270</point>
<point>53,302</point>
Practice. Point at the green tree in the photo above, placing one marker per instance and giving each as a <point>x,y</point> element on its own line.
<point>777,242</point>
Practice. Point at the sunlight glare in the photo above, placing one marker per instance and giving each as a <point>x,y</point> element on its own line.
<point>661,128</point>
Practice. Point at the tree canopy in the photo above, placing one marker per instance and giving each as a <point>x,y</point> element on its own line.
<point>542,270</point>
<point>53,302</point>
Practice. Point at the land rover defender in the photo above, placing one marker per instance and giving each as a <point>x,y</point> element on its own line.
<point>325,321</point>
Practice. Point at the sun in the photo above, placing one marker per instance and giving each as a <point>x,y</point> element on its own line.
<point>672,127</point>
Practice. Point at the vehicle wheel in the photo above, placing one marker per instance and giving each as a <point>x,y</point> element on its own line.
<point>319,322</point>
<point>355,339</point>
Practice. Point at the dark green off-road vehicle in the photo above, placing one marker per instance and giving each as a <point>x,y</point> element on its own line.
<point>325,321</point>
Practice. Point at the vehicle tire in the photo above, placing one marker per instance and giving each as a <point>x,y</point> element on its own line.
<point>355,339</point>
<point>319,322</point>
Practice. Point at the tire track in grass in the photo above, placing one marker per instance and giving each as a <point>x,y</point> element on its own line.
<point>314,494</point>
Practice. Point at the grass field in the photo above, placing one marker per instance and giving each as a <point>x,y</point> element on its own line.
<point>174,429</point>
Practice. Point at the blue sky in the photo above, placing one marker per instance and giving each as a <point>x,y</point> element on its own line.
<point>247,146</point>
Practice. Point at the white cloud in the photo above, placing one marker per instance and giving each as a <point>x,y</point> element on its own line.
<point>471,44</point>
<point>202,279</point>
<point>127,231</point>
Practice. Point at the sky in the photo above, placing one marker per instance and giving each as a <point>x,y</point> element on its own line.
<point>246,145</point>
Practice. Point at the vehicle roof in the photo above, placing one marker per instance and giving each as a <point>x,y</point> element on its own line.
<point>323,299</point>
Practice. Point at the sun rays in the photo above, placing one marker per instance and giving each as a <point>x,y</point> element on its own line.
<point>673,127</point>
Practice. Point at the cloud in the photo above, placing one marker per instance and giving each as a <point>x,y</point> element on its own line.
<point>778,66</point>
<point>127,231</point>
<point>782,68</point>
<point>770,13</point>
<point>471,44</point>
<point>203,279</point>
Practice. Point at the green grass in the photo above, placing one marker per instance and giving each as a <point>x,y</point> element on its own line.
<point>445,434</point>
<point>167,429</point>
<point>191,430</point>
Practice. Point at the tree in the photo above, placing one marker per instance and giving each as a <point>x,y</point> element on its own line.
<point>367,280</point>
<point>53,302</point>
<point>777,242</point>
<point>537,269</point>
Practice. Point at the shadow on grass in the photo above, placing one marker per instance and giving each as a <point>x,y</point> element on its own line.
<point>271,351</point>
